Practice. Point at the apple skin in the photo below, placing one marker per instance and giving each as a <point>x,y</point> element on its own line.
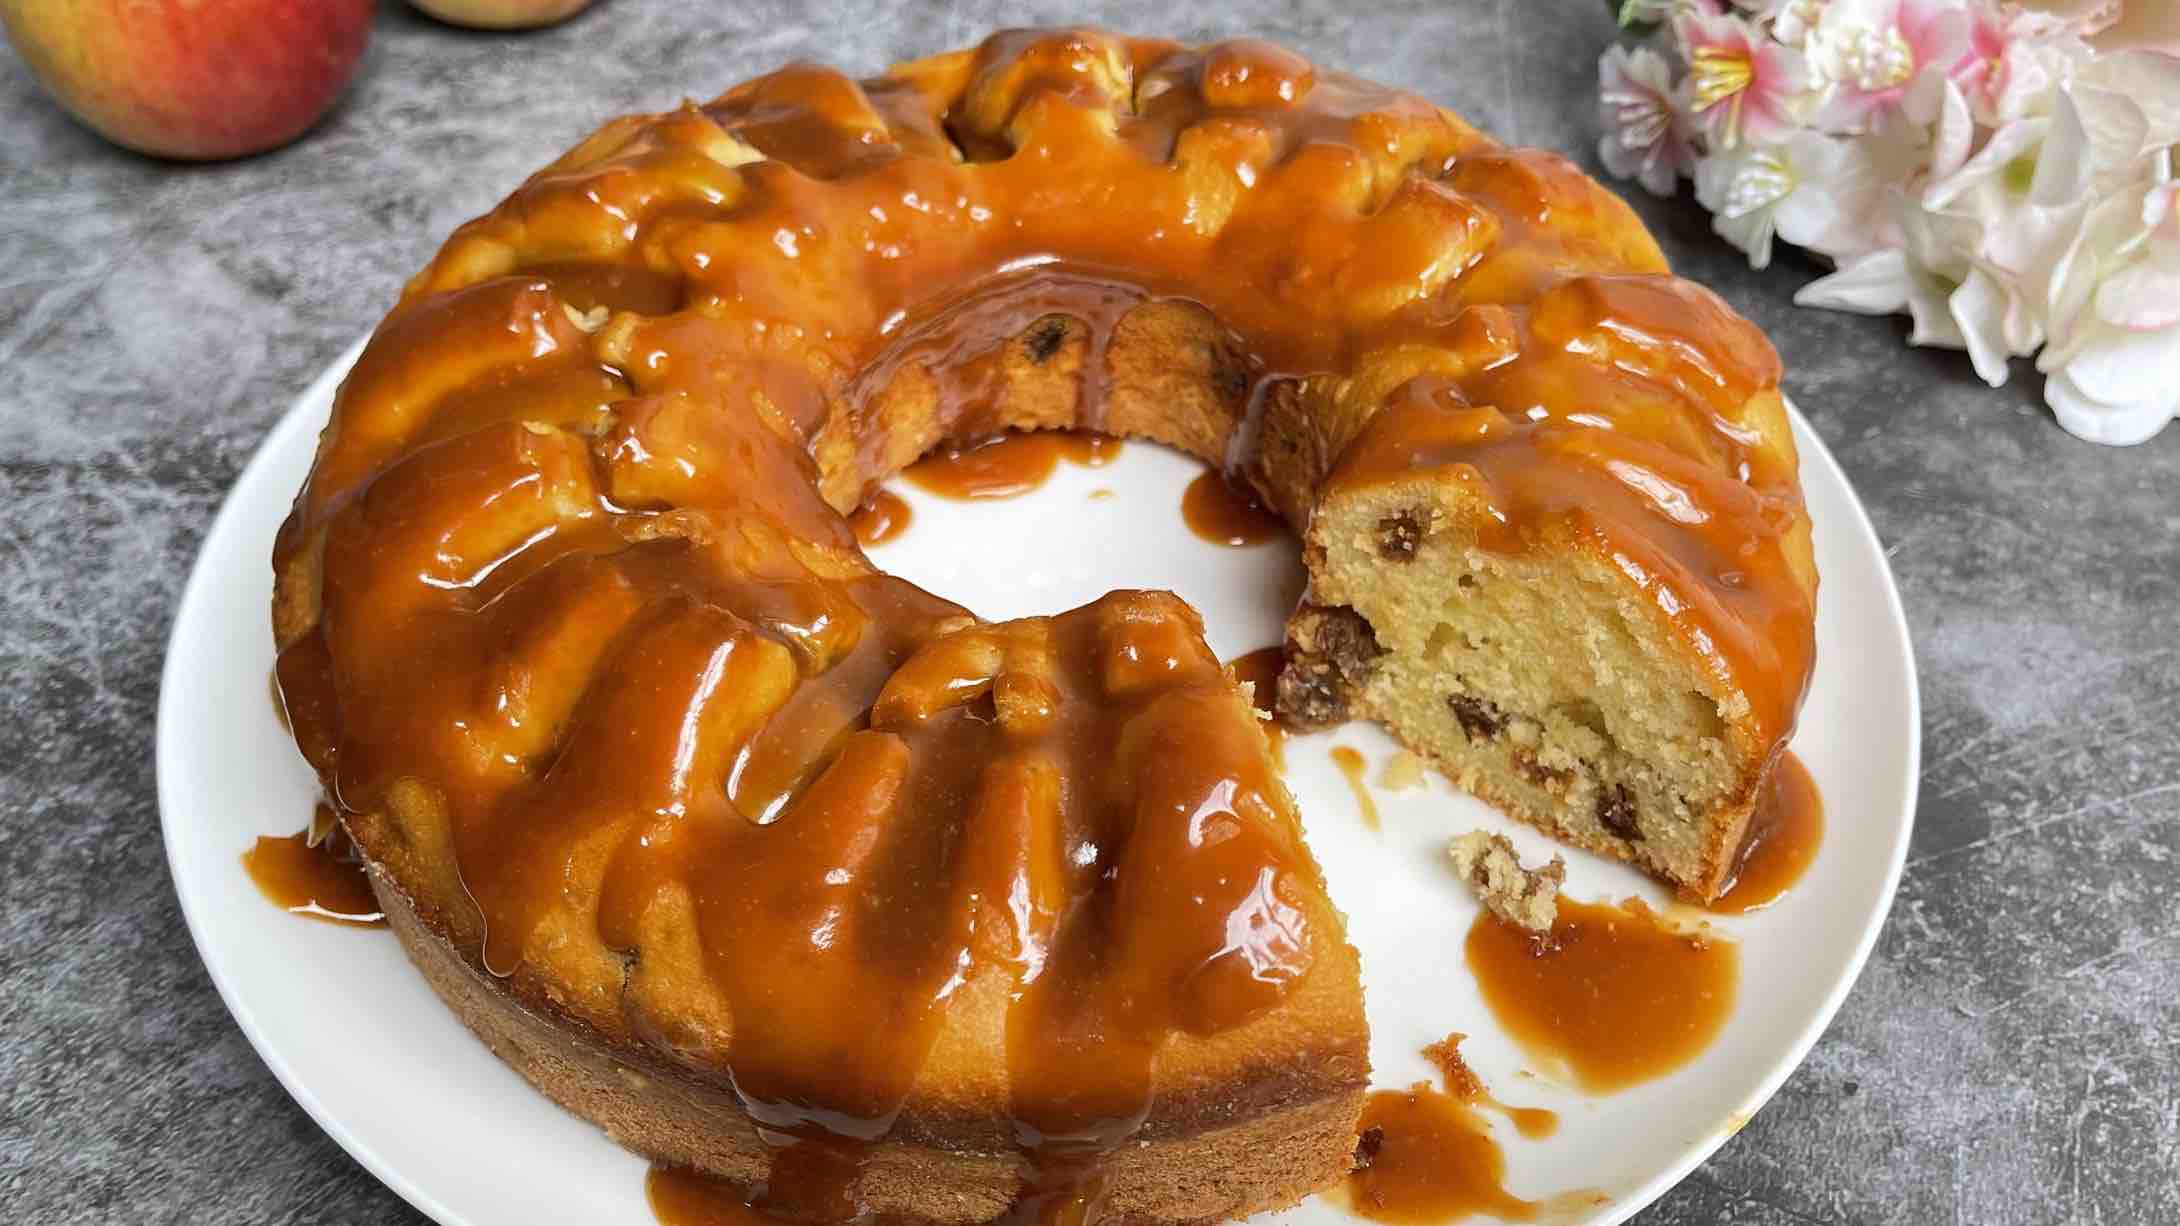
<point>193,79</point>
<point>501,14</point>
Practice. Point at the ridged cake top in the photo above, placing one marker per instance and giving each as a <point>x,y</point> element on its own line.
<point>573,628</point>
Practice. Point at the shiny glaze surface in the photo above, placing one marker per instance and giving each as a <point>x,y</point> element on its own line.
<point>882,517</point>
<point>1783,837</point>
<point>1431,1159</point>
<point>570,604</point>
<point>682,1197</point>
<point>1223,513</point>
<point>1007,465</point>
<point>1426,1155</point>
<point>1614,996</point>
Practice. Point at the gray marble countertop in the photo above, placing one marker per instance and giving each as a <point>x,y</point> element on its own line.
<point>2011,1055</point>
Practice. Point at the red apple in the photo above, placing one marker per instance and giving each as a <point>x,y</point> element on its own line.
<point>198,79</point>
<point>501,14</point>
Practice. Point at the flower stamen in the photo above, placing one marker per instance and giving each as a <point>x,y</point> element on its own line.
<point>1872,61</point>
<point>1722,76</point>
<point>1719,75</point>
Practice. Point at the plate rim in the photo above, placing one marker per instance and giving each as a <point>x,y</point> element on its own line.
<point>1625,1204</point>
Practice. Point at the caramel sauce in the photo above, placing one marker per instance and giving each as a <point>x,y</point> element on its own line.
<point>882,517</point>
<point>682,1197</point>
<point>1430,1159</point>
<point>571,592</point>
<point>280,706</point>
<point>1260,670</point>
<point>1007,465</point>
<point>1089,450</point>
<point>1461,1081</point>
<point>1784,835</point>
<point>1612,998</point>
<point>1353,767</point>
<point>1223,513</point>
<point>1427,1156</point>
<point>315,873</point>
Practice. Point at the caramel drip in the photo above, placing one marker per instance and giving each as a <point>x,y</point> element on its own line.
<point>882,517</point>
<point>1428,1157</point>
<point>315,873</point>
<point>1461,1081</point>
<point>682,1197</point>
<point>1006,465</point>
<point>1613,997</point>
<point>569,602</point>
<point>1218,511</point>
<point>1782,840</point>
<point>1352,766</point>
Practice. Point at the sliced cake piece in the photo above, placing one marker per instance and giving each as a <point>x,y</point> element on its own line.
<point>1601,635</point>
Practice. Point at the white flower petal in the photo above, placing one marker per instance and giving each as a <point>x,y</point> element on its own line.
<point>1978,308</point>
<point>1618,158</point>
<point>1659,177</point>
<point>2063,166</point>
<point>2106,233</point>
<point>2151,79</point>
<point>1944,243</point>
<point>2121,367</point>
<point>1954,134</point>
<point>1876,284</point>
<point>1934,324</point>
<point>2095,421</point>
<point>2006,144</point>
<point>1751,232</point>
<point>2142,298</point>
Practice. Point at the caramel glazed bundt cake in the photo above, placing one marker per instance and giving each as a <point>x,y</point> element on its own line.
<point>780,868</point>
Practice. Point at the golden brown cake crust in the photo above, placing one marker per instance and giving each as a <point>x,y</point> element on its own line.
<point>573,630</point>
<point>1209,1168</point>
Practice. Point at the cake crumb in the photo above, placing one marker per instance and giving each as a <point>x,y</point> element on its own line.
<point>1460,1080</point>
<point>1524,897</point>
<point>1403,770</point>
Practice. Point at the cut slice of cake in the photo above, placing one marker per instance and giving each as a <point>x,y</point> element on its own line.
<point>1600,637</point>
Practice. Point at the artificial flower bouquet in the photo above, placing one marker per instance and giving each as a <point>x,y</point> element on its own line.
<point>1976,165</point>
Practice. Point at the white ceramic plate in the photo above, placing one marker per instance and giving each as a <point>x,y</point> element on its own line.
<point>357,1037</point>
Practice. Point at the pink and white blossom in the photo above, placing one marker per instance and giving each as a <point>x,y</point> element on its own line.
<point>1743,85</point>
<point>1973,164</point>
<point>1648,136</point>
<point>1815,191</point>
<point>1868,52</point>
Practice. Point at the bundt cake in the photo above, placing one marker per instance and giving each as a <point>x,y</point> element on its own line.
<point>780,868</point>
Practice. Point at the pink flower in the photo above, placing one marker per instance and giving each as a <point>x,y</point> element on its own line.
<point>1869,52</point>
<point>2015,60</point>
<point>1647,135</point>
<point>1743,85</point>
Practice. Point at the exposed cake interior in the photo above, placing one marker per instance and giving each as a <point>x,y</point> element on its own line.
<point>1532,680</point>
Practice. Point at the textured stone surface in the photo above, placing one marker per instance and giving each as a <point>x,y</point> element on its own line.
<point>2009,1057</point>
